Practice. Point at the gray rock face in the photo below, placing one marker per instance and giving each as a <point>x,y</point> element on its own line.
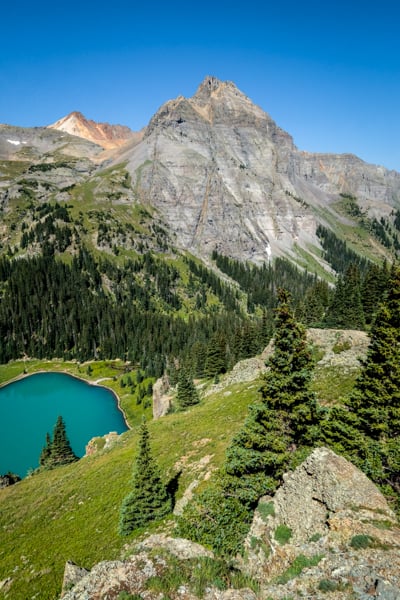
<point>334,517</point>
<point>323,485</point>
<point>161,401</point>
<point>225,176</point>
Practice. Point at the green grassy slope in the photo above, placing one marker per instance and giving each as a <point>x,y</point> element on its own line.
<point>72,513</point>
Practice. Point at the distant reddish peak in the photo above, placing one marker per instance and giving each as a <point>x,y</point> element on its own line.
<point>104,134</point>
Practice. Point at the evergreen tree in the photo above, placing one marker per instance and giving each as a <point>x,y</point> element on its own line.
<point>148,499</point>
<point>61,451</point>
<point>346,309</point>
<point>286,385</point>
<point>216,355</point>
<point>366,429</point>
<point>46,452</point>
<point>187,394</point>
<point>373,289</point>
<point>285,419</point>
<point>376,395</point>
<point>57,451</point>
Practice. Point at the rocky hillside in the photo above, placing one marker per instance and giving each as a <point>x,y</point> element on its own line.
<point>217,170</point>
<point>326,533</point>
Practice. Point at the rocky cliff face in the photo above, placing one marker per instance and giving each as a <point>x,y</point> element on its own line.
<point>215,167</point>
<point>225,176</point>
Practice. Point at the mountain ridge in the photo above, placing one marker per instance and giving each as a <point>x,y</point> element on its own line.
<point>221,175</point>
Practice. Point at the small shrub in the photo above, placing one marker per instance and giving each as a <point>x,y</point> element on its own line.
<point>253,542</point>
<point>381,524</point>
<point>315,537</point>
<point>327,585</point>
<point>282,534</point>
<point>300,562</point>
<point>361,541</point>
<point>341,346</point>
<point>266,509</point>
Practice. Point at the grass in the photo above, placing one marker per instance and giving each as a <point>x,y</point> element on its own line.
<point>199,574</point>
<point>282,534</point>
<point>361,541</point>
<point>300,563</point>
<point>71,513</point>
<point>266,509</point>
<point>330,383</point>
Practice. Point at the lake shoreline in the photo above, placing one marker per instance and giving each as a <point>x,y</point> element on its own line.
<point>114,421</point>
<point>65,372</point>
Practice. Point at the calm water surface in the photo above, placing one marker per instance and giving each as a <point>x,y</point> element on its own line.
<point>29,409</point>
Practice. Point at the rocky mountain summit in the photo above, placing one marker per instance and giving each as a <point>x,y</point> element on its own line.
<point>225,176</point>
<point>216,170</point>
<point>326,533</point>
<point>105,135</point>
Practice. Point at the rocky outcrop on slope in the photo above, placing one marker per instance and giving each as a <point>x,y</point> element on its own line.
<point>329,518</point>
<point>327,533</point>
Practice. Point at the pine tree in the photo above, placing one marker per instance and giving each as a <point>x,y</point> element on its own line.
<point>286,385</point>
<point>187,394</point>
<point>46,452</point>
<point>61,451</point>
<point>57,451</point>
<point>285,419</point>
<point>373,288</point>
<point>216,356</point>
<point>148,499</point>
<point>366,429</point>
<point>346,309</point>
<point>376,395</point>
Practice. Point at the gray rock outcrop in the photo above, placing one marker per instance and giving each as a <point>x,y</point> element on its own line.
<point>161,400</point>
<point>332,516</point>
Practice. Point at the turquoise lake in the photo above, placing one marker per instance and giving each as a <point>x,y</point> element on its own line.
<point>29,409</point>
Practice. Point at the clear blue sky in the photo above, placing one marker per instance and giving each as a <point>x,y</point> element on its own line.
<point>328,73</point>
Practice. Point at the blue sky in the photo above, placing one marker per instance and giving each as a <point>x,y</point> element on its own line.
<point>328,73</point>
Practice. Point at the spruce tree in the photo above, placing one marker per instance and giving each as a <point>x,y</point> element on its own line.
<point>57,451</point>
<point>216,355</point>
<point>45,454</point>
<point>376,395</point>
<point>285,419</point>
<point>148,499</point>
<point>375,399</point>
<point>187,394</point>
<point>286,385</point>
<point>346,309</point>
<point>61,451</point>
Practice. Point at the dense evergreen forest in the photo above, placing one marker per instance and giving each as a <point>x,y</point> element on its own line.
<point>158,313</point>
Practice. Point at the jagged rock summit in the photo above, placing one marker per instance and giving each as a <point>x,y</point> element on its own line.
<point>224,175</point>
<point>105,135</point>
<point>327,529</point>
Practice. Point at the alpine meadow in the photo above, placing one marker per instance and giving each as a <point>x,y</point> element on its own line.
<point>241,299</point>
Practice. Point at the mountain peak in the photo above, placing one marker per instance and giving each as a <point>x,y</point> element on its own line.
<point>209,86</point>
<point>105,135</point>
